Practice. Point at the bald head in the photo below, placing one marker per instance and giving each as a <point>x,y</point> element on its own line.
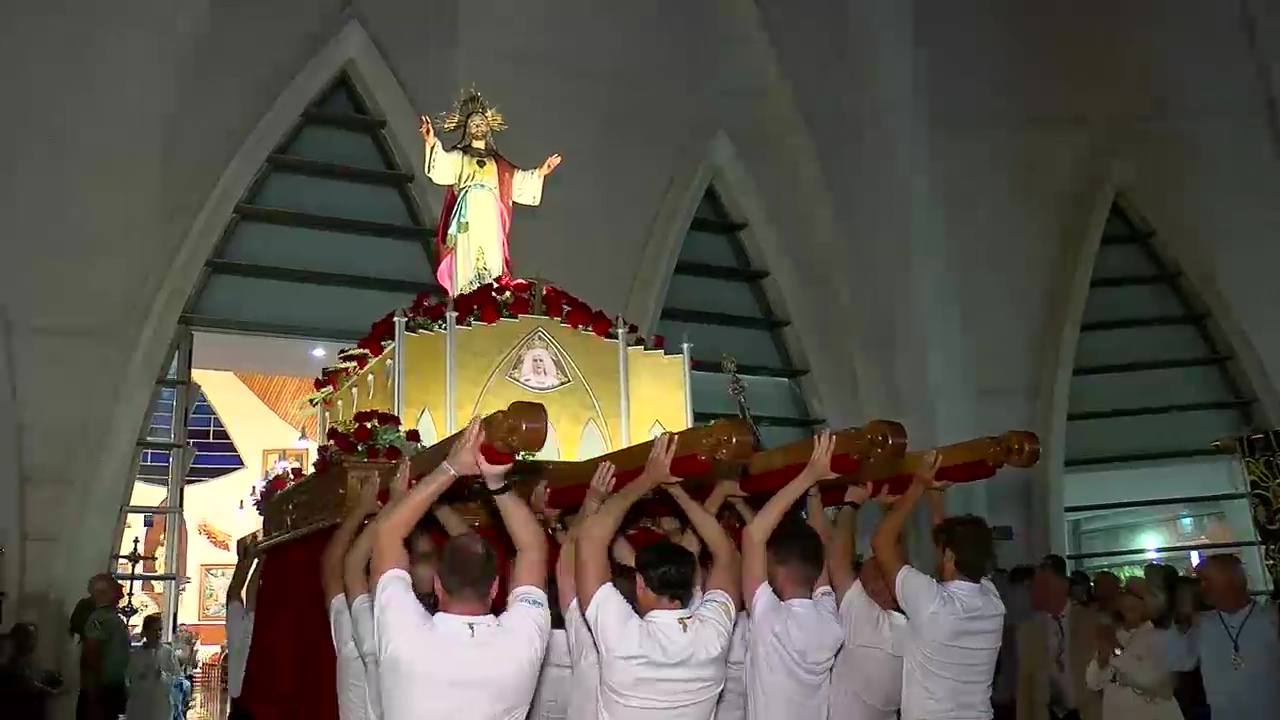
<point>1223,582</point>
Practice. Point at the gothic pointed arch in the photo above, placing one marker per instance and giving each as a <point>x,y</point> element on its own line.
<point>1153,383</point>
<point>591,443</point>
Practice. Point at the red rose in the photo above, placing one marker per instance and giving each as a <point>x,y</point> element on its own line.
<point>365,416</point>
<point>332,434</point>
<point>296,473</point>
<point>489,314</point>
<point>600,324</point>
<point>320,384</point>
<point>502,281</point>
<point>392,453</point>
<point>372,452</point>
<point>578,317</point>
<point>361,433</point>
<point>362,361</point>
<point>520,285</point>
<point>334,377</point>
<point>463,305</point>
<point>520,305</point>
<point>344,443</point>
<point>657,341</point>
<point>633,329</point>
<point>386,418</point>
<point>435,312</point>
<point>552,306</point>
<point>413,436</point>
<point>277,483</point>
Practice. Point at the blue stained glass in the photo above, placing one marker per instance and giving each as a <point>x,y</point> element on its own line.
<point>216,454</point>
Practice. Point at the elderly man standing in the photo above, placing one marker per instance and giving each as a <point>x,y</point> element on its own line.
<point>104,655</point>
<point>1236,644</point>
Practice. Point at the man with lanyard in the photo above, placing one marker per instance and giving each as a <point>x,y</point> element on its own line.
<point>1236,644</point>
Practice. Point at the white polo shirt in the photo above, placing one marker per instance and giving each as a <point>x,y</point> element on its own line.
<point>551,697</point>
<point>792,647</point>
<point>362,628</point>
<point>239,628</point>
<point>953,639</point>
<point>353,698</point>
<point>868,669</point>
<point>457,667</point>
<point>670,664</point>
<point>732,704</point>
<point>585,662</point>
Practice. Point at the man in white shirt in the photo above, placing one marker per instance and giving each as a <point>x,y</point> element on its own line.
<point>461,662</point>
<point>866,680</point>
<point>733,699</point>
<point>353,692</point>
<point>954,623</point>
<point>663,659</point>
<point>795,629</point>
<point>242,599</point>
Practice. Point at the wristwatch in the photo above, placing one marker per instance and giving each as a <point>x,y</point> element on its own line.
<point>502,489</point>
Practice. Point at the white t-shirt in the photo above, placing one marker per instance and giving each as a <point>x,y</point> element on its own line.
<point>362,629</point>
<point>953,639</point>
<point>585,661</point>
<point>551,698</point>
<point>670,664</point>
<point>353,697</point>
<point>868,669</point>
<point>457,667</point>
<point>733,699</point>
<point>239,628</point>
<point>792,646</point>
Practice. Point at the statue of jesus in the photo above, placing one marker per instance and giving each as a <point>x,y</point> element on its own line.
<point>471,240</point>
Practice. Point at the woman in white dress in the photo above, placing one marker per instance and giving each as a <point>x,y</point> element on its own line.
<point>152,670</point>
<point>1127,670</point>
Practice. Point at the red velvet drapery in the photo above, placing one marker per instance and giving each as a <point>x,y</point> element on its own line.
<point>291,671</point>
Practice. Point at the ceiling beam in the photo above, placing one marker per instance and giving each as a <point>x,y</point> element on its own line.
<point>720,272</point>
<point>1143,322</point>
<point>716,227</point>
<point>334,171</point>
<point>1233,404</point>
<point>251,327</point>
<point>312,221</point>
<point>235,268</point>
<point>345,121</point>
<point>1116,281</point>
<point>1147,366</point>
<point>1138,457</point>
<point>701,317</point>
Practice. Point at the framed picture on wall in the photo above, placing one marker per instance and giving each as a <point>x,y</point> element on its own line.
<point>294,457</point>
<point>214,580</point>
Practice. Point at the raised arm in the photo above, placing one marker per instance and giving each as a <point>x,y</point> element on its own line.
<point>598,491</point>
<point>622,551</point>
<point>725,560</point>
<point>724,490</point>
<point>565,584</point>
<point>884,543</point>
<point>756,535</point>
<point>395,520</point>
<point>356,565</point>
<point>591,565</point>
<point>333,561</point>
<point>744,510</point>
<point>530,567</point>
<point>816,518</point>
<point>451,520</point>
<point>841,548</point>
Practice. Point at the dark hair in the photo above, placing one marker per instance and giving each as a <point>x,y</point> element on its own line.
<point>797,547</point>
<point>80,617</point>
<point>468,567</point>
<point>669,570</point>
<point>152,619</point>
<point>1055,564</point>
<point>24,638</point>
<point>624,579</point>
<point>423,530</point>
<point>969,539</point>
<point>1021,574</point>
<point>553,602</point>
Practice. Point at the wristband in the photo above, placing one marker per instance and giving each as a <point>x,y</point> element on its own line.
<point>449,469</point>
<point>502,489</point>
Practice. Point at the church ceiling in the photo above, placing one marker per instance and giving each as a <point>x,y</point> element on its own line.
<point>1152,378</point>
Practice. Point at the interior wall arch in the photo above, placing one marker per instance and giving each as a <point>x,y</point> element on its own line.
<point>1078,250</point>
<point>719,164</point>
<point>351,50</point>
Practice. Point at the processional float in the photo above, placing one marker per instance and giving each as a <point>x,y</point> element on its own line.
<point>561,387</point>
